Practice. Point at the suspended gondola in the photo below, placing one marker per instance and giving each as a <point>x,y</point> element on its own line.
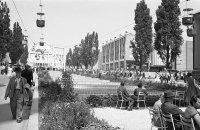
<point>41,41</point>
<point>40,22</point>
<point>187,20</point>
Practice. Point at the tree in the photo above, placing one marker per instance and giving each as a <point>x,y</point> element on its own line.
<point>24,56</point>
<point>95,49</point>
<point>69,58</point>
<point>5,32</point>
<point>16,48</point>
<point>89,49</point>
<point>76,57</point>
<point>168,39</point>
<point>142,47</point>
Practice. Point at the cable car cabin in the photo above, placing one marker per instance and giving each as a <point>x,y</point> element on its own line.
<point>190,32</point>
<point>41,43</point>
<point>40,23</point>
<point>187,21</point>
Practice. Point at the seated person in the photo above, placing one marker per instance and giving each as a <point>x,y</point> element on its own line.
<point>157,106</point>
<point>169,107</point>
<point>139,89</point>
<point>136,92</point>
<point>122,89</point>
<point>191,111</point>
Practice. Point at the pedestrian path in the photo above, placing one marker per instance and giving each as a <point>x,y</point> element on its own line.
<point>6,122</point>
<point>125,120</point>
<point>78,79</point>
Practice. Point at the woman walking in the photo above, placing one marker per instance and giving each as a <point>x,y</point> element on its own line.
<point>16,92</point>
<point>192,89</point>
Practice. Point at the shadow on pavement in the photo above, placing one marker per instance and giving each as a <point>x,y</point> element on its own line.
<point>5,112</point>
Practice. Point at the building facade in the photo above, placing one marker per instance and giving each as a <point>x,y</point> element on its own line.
<point>117,54</point>
<point>196,42</point>
<point>185,59</point>
<point>47,56</point>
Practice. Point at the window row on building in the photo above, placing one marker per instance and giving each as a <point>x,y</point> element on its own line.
<point>114,50</point>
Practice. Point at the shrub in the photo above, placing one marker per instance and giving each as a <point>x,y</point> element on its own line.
<point>67,94</point>
<point>94,100</point>
<point>100,100</point>
<point>163,87</point>
<point>60,109</point>
<point>44,78</point>
<point>68,116</point>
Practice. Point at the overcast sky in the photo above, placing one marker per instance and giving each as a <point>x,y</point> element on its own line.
<point>68,21</point>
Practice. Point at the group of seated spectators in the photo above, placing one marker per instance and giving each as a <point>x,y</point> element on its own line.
<point>131,98</point>
<point>166,106</point>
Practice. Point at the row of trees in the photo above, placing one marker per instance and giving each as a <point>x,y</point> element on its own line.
<point>168,39</point>
<point>10,40</point>
<point>86,53</point>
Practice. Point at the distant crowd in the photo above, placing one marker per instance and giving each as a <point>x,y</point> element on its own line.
<point>163,76</point>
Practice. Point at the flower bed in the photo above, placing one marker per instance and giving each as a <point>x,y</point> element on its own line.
<point>59,107</point>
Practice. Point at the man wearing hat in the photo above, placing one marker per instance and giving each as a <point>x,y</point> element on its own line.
<point>15,91</point>
<point>169,107</point>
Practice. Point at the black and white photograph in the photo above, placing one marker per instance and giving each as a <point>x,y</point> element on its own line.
<point>99,64</point>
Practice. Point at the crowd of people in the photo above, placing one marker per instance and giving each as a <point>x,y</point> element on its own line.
<point>20,90</point>
<point>164,76</point>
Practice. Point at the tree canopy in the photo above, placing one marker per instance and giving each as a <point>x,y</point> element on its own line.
<point>16,48</point>
<point>142,46</point>
<point>168,39</point>
<point>86,53</point>
<point>5,32</point>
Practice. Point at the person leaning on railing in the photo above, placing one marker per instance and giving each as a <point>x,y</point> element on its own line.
<point>191,111</point>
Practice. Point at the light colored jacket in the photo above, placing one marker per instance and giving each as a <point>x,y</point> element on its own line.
<point>12,86</point>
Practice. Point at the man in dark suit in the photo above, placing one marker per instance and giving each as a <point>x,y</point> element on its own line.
<point>168,107</point>
<point>15,91</point>
<point>27,73</point>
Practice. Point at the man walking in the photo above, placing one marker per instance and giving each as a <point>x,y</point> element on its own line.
<point>15,91</point>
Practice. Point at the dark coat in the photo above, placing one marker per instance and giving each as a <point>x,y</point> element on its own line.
<point>168,107</point>
<point>28,75</point>
<point>12,86</point>
<point>191,90</point>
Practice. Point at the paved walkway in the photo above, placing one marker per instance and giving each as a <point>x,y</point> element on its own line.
<point>6,122</point>
<point>125,120</point>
